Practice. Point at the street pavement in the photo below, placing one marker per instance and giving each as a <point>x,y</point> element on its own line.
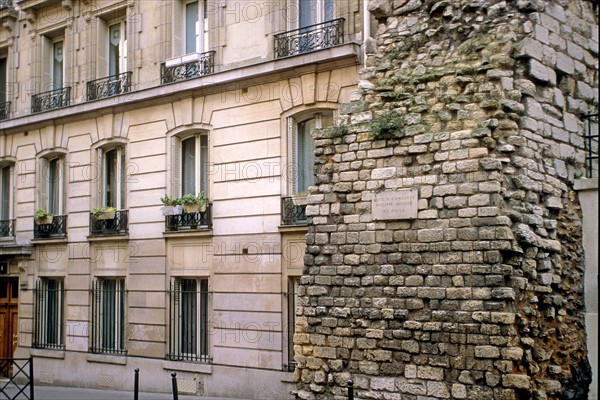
<point>69,393</point>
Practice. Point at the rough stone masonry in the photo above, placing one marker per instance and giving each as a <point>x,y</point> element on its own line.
<point>478,106</point>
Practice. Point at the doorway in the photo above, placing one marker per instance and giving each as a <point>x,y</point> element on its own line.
<point>9,317</point>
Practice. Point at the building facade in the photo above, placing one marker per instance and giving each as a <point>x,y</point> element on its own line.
<point>110,110</point>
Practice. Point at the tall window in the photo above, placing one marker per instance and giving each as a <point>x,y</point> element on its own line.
<point>57,65</point>
<point>48,314</point>
<point>312,12</point>
<point>112,177</point>
<point>108,316</point>
<point>303,148</point>
<point>190,27</point>
<point>2,80</point>
<point>51,185</point>
<point>5,192</point>
<point>188,312</point>
<point>292,303</point>
<point>190,164</point>
<point>117,48</point>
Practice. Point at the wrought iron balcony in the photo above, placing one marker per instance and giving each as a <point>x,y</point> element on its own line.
<point>309,38</point>
<point>4,110</point>
<point>204,65</point>
<point>189,221</point>
<point>50,100</point>
<point>55,229</point>
<point>7,228</point>
<point>114,224</point>
<point>292,213</point>
<point>113,85</point>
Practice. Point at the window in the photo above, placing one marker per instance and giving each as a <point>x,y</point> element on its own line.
<point>6,193</point>
<point>112,46</point>
<point>53,62</point>
<point>312,12</point>
<point>303,149</point>
<point>48,314</point>
<point>188,313</point>
<point>191,27</point>
<point>292,303</point>
<point>108,316</point>
<point>4,105</point>
<point>112,178</point>
<point>51,185</point>
<point>190,164</point>
<point>57,65</point>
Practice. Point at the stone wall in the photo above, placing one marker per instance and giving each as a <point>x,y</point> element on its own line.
<point>477,105</point>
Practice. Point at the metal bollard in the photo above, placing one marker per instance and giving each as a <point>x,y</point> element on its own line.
<point>350,389</point>
<point>174,381</point>
<point>136,384</point>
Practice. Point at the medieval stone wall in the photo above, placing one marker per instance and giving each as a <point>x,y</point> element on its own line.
<point>477,105</point>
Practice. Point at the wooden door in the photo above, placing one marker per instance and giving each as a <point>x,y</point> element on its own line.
<point>9,300</point>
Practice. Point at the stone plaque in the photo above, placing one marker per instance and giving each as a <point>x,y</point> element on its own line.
<point>398,204</point>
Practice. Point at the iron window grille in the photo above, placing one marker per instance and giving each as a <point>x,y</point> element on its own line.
<point>50,100</point>
<point>203,66</point>
<point>292,213</point>
<point>110,226</point>
<point>189,221</point>
<point>292,303</point>
<point>309,38</point>
<point>7,228</point>
<point>108,316</point>
<point>591,144</point>
<point>188,316</point>
<point>4,110</point>
<point>57,228</point>
<point>49,315</point>
<point>110,86</point>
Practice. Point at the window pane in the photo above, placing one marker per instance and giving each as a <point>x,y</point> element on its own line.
<point>191,26</point>
<point>2,80</point>
<point>188,166</point>
<point>188,314</point>
<point>306,155</point>
<point>5,187</point>
<point>57,65</point>
<point>308,12</point>
<point>113,49</point>
<point>110,178</point>
<point>53,183</point>
<point>328,12</point>
<point>204,164</point>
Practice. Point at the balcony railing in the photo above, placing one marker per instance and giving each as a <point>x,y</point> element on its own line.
<point>113,85</point>
<point>55,229</point>
<point>292,213</point>
<point>309,38</point>
<point>7,228</point>
<point>114,225</point>
<point>4,110</point>
<point>204,65</point>
<point>50,100</point>
<point>189,221</point>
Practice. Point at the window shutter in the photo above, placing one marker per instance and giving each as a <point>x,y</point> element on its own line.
<point>101,200</point>
<point>43,183</point>
<point>102,48</point>
<point>176,167</point>
<point>203,164</point>
<point>177,24</point>
<point>62,197</point>
<point>123,178</point>
<point>292,169</point>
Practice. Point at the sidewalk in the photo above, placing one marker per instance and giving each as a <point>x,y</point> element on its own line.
<point>69,393</point>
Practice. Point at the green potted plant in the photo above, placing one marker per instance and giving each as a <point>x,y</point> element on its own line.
<point>202,201</point>
<point>100,213</point>
<point>42,217</point>
<point>172,205</point>
<point>192,203</point>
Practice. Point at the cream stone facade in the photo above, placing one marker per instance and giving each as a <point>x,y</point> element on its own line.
<point>117,103</point>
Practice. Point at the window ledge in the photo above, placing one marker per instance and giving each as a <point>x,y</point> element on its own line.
<point>49,240</point>
<point>188,233</point>
<point>293,228</point>
<point>586,184</point>
<point>107,359</point>
<point>188,367</point>
<point>45,353</point>
<point>288,377</point>
<point>107,238</point>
